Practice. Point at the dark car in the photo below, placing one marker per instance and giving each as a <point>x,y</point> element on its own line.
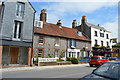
<point>97,60</point>
<point>114,58</point>
<point>108,71</point>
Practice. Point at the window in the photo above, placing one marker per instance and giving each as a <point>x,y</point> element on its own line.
<point>107,36</point>
<point>41,39</point>
<point>101,43</point>
<point>38,24</point>
<point>107,43</point>
<point>20,8</point>
<point>57,42</point>
<point>95,33</point>
<point>40,51</point>
<point>95,41</point>
<point>101,34</point>
<point>17,30</point>
<point>56,53</point>
<point>72,43</point>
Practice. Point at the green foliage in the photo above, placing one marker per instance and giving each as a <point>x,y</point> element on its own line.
<point>61,56</point>
<point>49,55</point>
<point>73,60</point>
<point>36,61</point>
<point>117,44</point>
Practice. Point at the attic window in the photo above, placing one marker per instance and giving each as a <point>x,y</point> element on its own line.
<point>38,24</point>
<point>79,33</point>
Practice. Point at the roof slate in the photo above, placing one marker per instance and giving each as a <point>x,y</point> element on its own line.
<point>95,26</point>
<point>54,30</point>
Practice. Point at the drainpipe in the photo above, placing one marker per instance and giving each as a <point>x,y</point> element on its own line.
<point>66,49</point>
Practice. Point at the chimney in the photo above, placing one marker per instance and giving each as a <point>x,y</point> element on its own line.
<point>43,15</point>
<point>98,25</point>
<point>59,23</point>
<point>84,19</point>
<point>74,23</point>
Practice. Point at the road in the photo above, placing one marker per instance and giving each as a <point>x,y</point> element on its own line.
<point>61,72</point>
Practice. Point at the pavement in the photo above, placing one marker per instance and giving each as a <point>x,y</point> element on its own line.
<point>38,67</point>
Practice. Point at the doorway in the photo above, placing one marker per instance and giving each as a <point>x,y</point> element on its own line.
<point>14,55</point>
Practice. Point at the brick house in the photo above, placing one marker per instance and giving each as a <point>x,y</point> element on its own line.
<point>52,40</point>
<point>16,32</point>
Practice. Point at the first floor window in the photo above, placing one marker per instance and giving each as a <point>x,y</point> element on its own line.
<point>41,39</point>
<point>40,51</point>
<point>17,29</point>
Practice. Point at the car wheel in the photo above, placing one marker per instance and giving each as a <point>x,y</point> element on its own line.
<point>91,65</point>
<point>101,63</point>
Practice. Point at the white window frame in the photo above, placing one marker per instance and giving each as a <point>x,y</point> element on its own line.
<point>20,10</point>
<point>39,52</point>
<point>17,32</point>
<point>41,39</point>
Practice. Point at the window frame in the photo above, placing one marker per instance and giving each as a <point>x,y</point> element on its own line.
<point>19,12</point>
<point>95,33</point>
<point>39,52</point>
<point>17,34</point>
<point>39,39</point>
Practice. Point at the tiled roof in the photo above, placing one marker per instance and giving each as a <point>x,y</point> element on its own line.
<point>95,26</point>
<point>54,30</point>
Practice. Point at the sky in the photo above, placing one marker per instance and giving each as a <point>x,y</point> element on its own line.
<point>104,13</point>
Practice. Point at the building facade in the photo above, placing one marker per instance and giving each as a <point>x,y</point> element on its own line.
<point>16,32</point>
<point>98,35</point>
<point>54,40</point>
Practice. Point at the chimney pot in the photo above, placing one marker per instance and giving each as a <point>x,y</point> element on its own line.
<point>59,23</point>
<point>84,19</point>
<point>74,23</point>
<point>98,25</point>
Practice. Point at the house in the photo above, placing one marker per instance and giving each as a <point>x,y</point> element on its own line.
<point>54,40</point>
<point>98,35</point>
<point>16,32</point>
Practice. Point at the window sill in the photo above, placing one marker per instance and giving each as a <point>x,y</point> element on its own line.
<point>57,45</point>
<point>40,43</point>
<point>14,39</point>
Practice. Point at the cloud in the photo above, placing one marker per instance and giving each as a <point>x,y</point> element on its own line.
<point>58,10</point>
<point>74,0</point>
<point>112,27</point>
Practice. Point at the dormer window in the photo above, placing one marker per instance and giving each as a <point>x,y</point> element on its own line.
<point>38,24</point>
<point>20,9</point>
<point>79,33</point>
<point>72,43</point>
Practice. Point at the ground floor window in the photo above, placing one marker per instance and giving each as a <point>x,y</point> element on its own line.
<point>56,53</point>
<point>40,51</point>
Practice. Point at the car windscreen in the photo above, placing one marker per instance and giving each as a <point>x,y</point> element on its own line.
<point>109,70</point>
<point>95,57</point>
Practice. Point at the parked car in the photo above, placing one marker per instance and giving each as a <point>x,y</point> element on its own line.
<point>97,60</point>
<point>107,71</point>
<point>114,58</point>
